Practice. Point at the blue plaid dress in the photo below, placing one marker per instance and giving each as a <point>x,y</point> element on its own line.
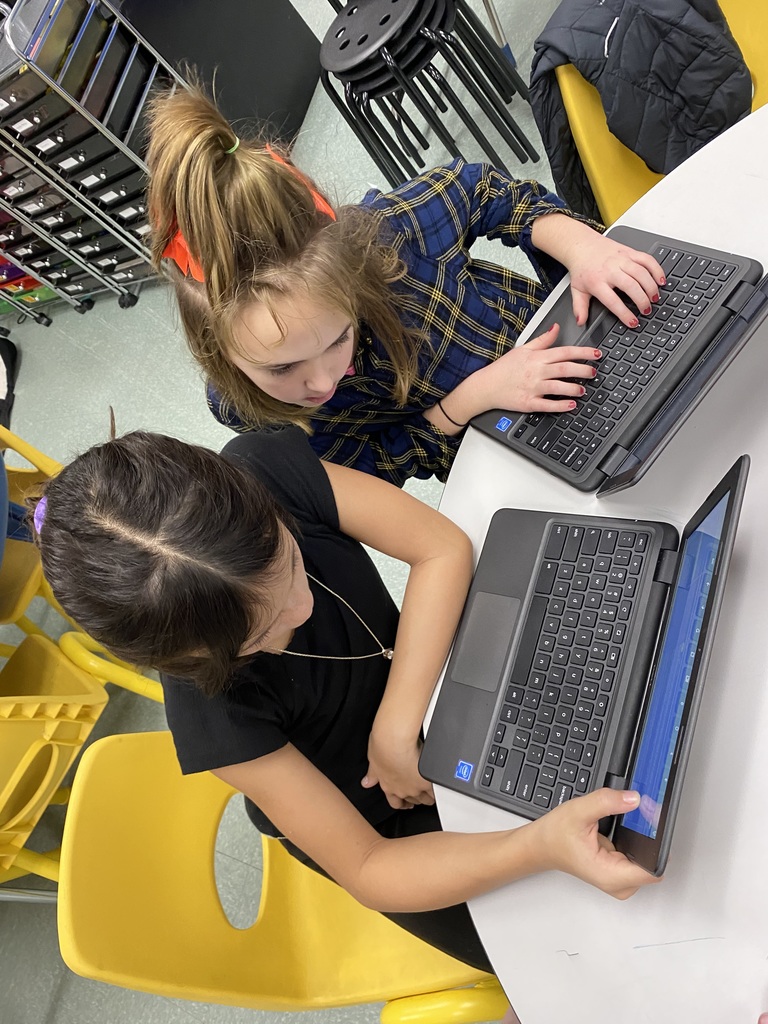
<point>473,311</point>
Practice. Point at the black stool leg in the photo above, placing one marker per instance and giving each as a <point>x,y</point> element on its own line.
<point>510,73</point>
<point>395,101</point>
<point>363,103</point>
<point>432,92</point>
<point>400,133</point>
<point>410,89</point>
<point>387,168</point>
<point>498,115</point>
<point>466,117</point>
<point>486,59</point>
<point>389,151</point>
<point>501,110</point>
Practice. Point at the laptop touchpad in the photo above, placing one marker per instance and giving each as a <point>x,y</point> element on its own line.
<point>483,641</point>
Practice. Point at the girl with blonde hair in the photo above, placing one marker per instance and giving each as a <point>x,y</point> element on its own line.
<point>370,326</point>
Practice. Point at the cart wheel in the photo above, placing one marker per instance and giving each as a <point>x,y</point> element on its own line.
<point>127,300</point>
<point>4,332</point>
<point>43,320</point>
<point>84,306</point>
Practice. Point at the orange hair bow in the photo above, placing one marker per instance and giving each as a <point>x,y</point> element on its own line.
<point>178,251</point>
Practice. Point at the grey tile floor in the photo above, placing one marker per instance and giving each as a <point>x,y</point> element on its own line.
<point>135,360</point>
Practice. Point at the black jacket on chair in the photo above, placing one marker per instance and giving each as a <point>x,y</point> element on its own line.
<point>669,74</point>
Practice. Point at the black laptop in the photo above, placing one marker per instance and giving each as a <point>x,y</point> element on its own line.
<point>650,378</point>
<point>580,661</point>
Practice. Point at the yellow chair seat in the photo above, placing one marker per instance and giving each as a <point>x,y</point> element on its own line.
<point>617,176</point>
<point>138,907</point>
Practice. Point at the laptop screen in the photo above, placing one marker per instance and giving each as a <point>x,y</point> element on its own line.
<point>675,666</point>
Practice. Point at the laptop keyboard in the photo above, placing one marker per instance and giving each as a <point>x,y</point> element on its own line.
<point>546,740</point>
<point>632,357</point>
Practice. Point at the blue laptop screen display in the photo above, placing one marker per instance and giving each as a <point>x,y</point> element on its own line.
<point>655,754</point>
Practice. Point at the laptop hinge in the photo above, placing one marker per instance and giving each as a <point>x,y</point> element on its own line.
<point>613,460</point>
<point>739,297</point>
<point>753,305</point>
<point>667,565</point>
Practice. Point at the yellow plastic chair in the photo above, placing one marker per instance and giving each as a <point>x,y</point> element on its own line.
<point>618,176</point>
<point>21,579</point>
<point>21,576</point>
<point>90,656</point>
<point>48,707</point>
<point>138,907</point>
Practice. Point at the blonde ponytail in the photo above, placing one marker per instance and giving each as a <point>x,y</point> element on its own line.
<point>257,229</point>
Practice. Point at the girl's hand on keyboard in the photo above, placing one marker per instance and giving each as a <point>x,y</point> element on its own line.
<point>531,378</point>
<point>602,268</point>
<point>599,266</point>
<point>568,840</point>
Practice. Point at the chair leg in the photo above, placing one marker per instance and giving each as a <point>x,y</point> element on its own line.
<point>395,173</point>
<point>396,102</point>
<point>44,864</point>
<point>502,121</point>
<point>29,627</point>
<point>410,89</point>
<point>483,56</point>
<point>510,73</point>
<point>395,122</point>
<point>432,92</point>
<point>363,104</point>
<point>469,122</point>
<point>384,165</point>
<point>461,62</point>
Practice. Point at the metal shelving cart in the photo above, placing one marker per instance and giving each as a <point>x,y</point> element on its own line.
<point>75,77</point>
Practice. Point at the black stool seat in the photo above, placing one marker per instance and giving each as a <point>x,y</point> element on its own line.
<point>382,53</point>
<point>362,28</point>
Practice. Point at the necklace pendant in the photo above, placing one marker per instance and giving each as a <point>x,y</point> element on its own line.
<point>388,653</point>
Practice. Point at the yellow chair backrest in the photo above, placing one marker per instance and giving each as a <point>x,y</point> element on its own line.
<point>22,482</point>
<point>47,710</point>
<point>618,176</point>
<point>138,905</point>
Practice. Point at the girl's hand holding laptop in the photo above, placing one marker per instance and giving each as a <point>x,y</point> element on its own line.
<point>567,839</point>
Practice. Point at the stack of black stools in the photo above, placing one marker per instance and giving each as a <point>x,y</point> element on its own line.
<point>378,53</point>
<point>74,82</point>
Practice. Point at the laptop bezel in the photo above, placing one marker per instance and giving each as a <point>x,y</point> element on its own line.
<point>652,853</point>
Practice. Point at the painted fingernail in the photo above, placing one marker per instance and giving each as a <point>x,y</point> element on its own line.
<point>594,371</point>
<point>583,391</point>
<point>598,354</point>
<point>571,405</point>
<point>646,311</point>
<point>655,298</point>
<point>662,280</point>
<point>634,322</point>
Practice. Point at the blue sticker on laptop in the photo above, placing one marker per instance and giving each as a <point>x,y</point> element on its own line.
<point>464,770</point>
<point>504,424</point>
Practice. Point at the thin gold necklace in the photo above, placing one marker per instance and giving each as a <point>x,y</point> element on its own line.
<point>384,652</point>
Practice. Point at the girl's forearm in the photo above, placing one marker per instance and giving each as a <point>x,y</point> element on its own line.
<point>556,234</point>
<point>440,869</point>
<point>432,605</point>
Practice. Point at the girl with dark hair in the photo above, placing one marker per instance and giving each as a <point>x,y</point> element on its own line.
<point>370,326</point>
<point>286,669</point>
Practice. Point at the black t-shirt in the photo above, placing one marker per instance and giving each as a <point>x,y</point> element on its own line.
<point>324,708</point>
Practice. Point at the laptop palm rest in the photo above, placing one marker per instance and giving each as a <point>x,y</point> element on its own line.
<point>484,640</point>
